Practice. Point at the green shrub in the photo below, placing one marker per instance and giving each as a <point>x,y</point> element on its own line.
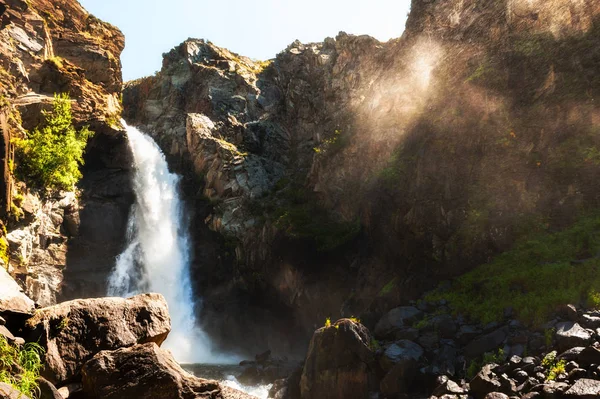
<point>20,367</point>
<point>50,155</point>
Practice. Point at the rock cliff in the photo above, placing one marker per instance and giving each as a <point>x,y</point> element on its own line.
<point>50,47</point>
<point>347,176</point>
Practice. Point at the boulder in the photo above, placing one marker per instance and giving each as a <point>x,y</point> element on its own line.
<point>486,382</point>
<point>12,298</point>
<point>570,334</point>
<point>589,355</point>
<point>590,321</point>
<point>8,392</point>
<point>47,389</point>
<point>396,319</point>
<point>496,395</point>
<point>445,325</point>
<point>73,332</point>
<point>339,362</point>
<point>584,389</point>
<point>399,352</point>
<point>567,312</point>
<point>399,379</point>
<point>449,388</point>
<point>142,371</point>
<point>486,343</point>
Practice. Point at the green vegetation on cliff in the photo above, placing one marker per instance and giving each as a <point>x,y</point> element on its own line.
<point>20,366</point>
<point>535,277</point>
<point>50,155</point>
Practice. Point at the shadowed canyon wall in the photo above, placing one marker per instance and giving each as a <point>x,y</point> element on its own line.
<point>348,176</point>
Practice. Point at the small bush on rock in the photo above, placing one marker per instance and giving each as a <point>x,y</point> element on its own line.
<point>50,155</point>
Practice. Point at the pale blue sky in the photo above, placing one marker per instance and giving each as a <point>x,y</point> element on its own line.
<point>255,28</point>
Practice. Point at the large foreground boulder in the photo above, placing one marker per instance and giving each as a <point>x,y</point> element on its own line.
<point>338,363</point>
<point>73,332</point>
<point>142,371</point>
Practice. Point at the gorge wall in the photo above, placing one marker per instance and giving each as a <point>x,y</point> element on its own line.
<point>347,176</point>
<point>46,48</point>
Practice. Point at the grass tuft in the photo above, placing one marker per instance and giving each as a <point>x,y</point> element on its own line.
<point>21,366</point>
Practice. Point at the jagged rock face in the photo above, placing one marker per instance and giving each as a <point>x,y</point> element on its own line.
<point>444,147</point>
<point>49,47</point>
<point>38,249</point>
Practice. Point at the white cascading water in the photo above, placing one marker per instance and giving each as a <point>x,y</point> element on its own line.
<point>156,258</point>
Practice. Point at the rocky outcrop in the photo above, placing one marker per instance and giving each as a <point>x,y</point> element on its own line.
<point>339,363</point>
<point>73,332</point>
<point>38,249</point>
<point>143,371</point>
<point>58,47</point>
<point>12,298</point>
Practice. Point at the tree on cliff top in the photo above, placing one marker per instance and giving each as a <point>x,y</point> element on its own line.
<point>50,155</point>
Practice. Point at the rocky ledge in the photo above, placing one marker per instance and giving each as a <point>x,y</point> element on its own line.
<point>100,348</point>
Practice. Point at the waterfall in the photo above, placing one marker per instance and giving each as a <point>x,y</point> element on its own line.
<point>157,253</point>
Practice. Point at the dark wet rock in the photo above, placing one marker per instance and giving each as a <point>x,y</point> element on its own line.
<point>486,343</point>
<point>570,334</point>
<point>338,363</point>
<point>73,332</point>
<point>396,319</point>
